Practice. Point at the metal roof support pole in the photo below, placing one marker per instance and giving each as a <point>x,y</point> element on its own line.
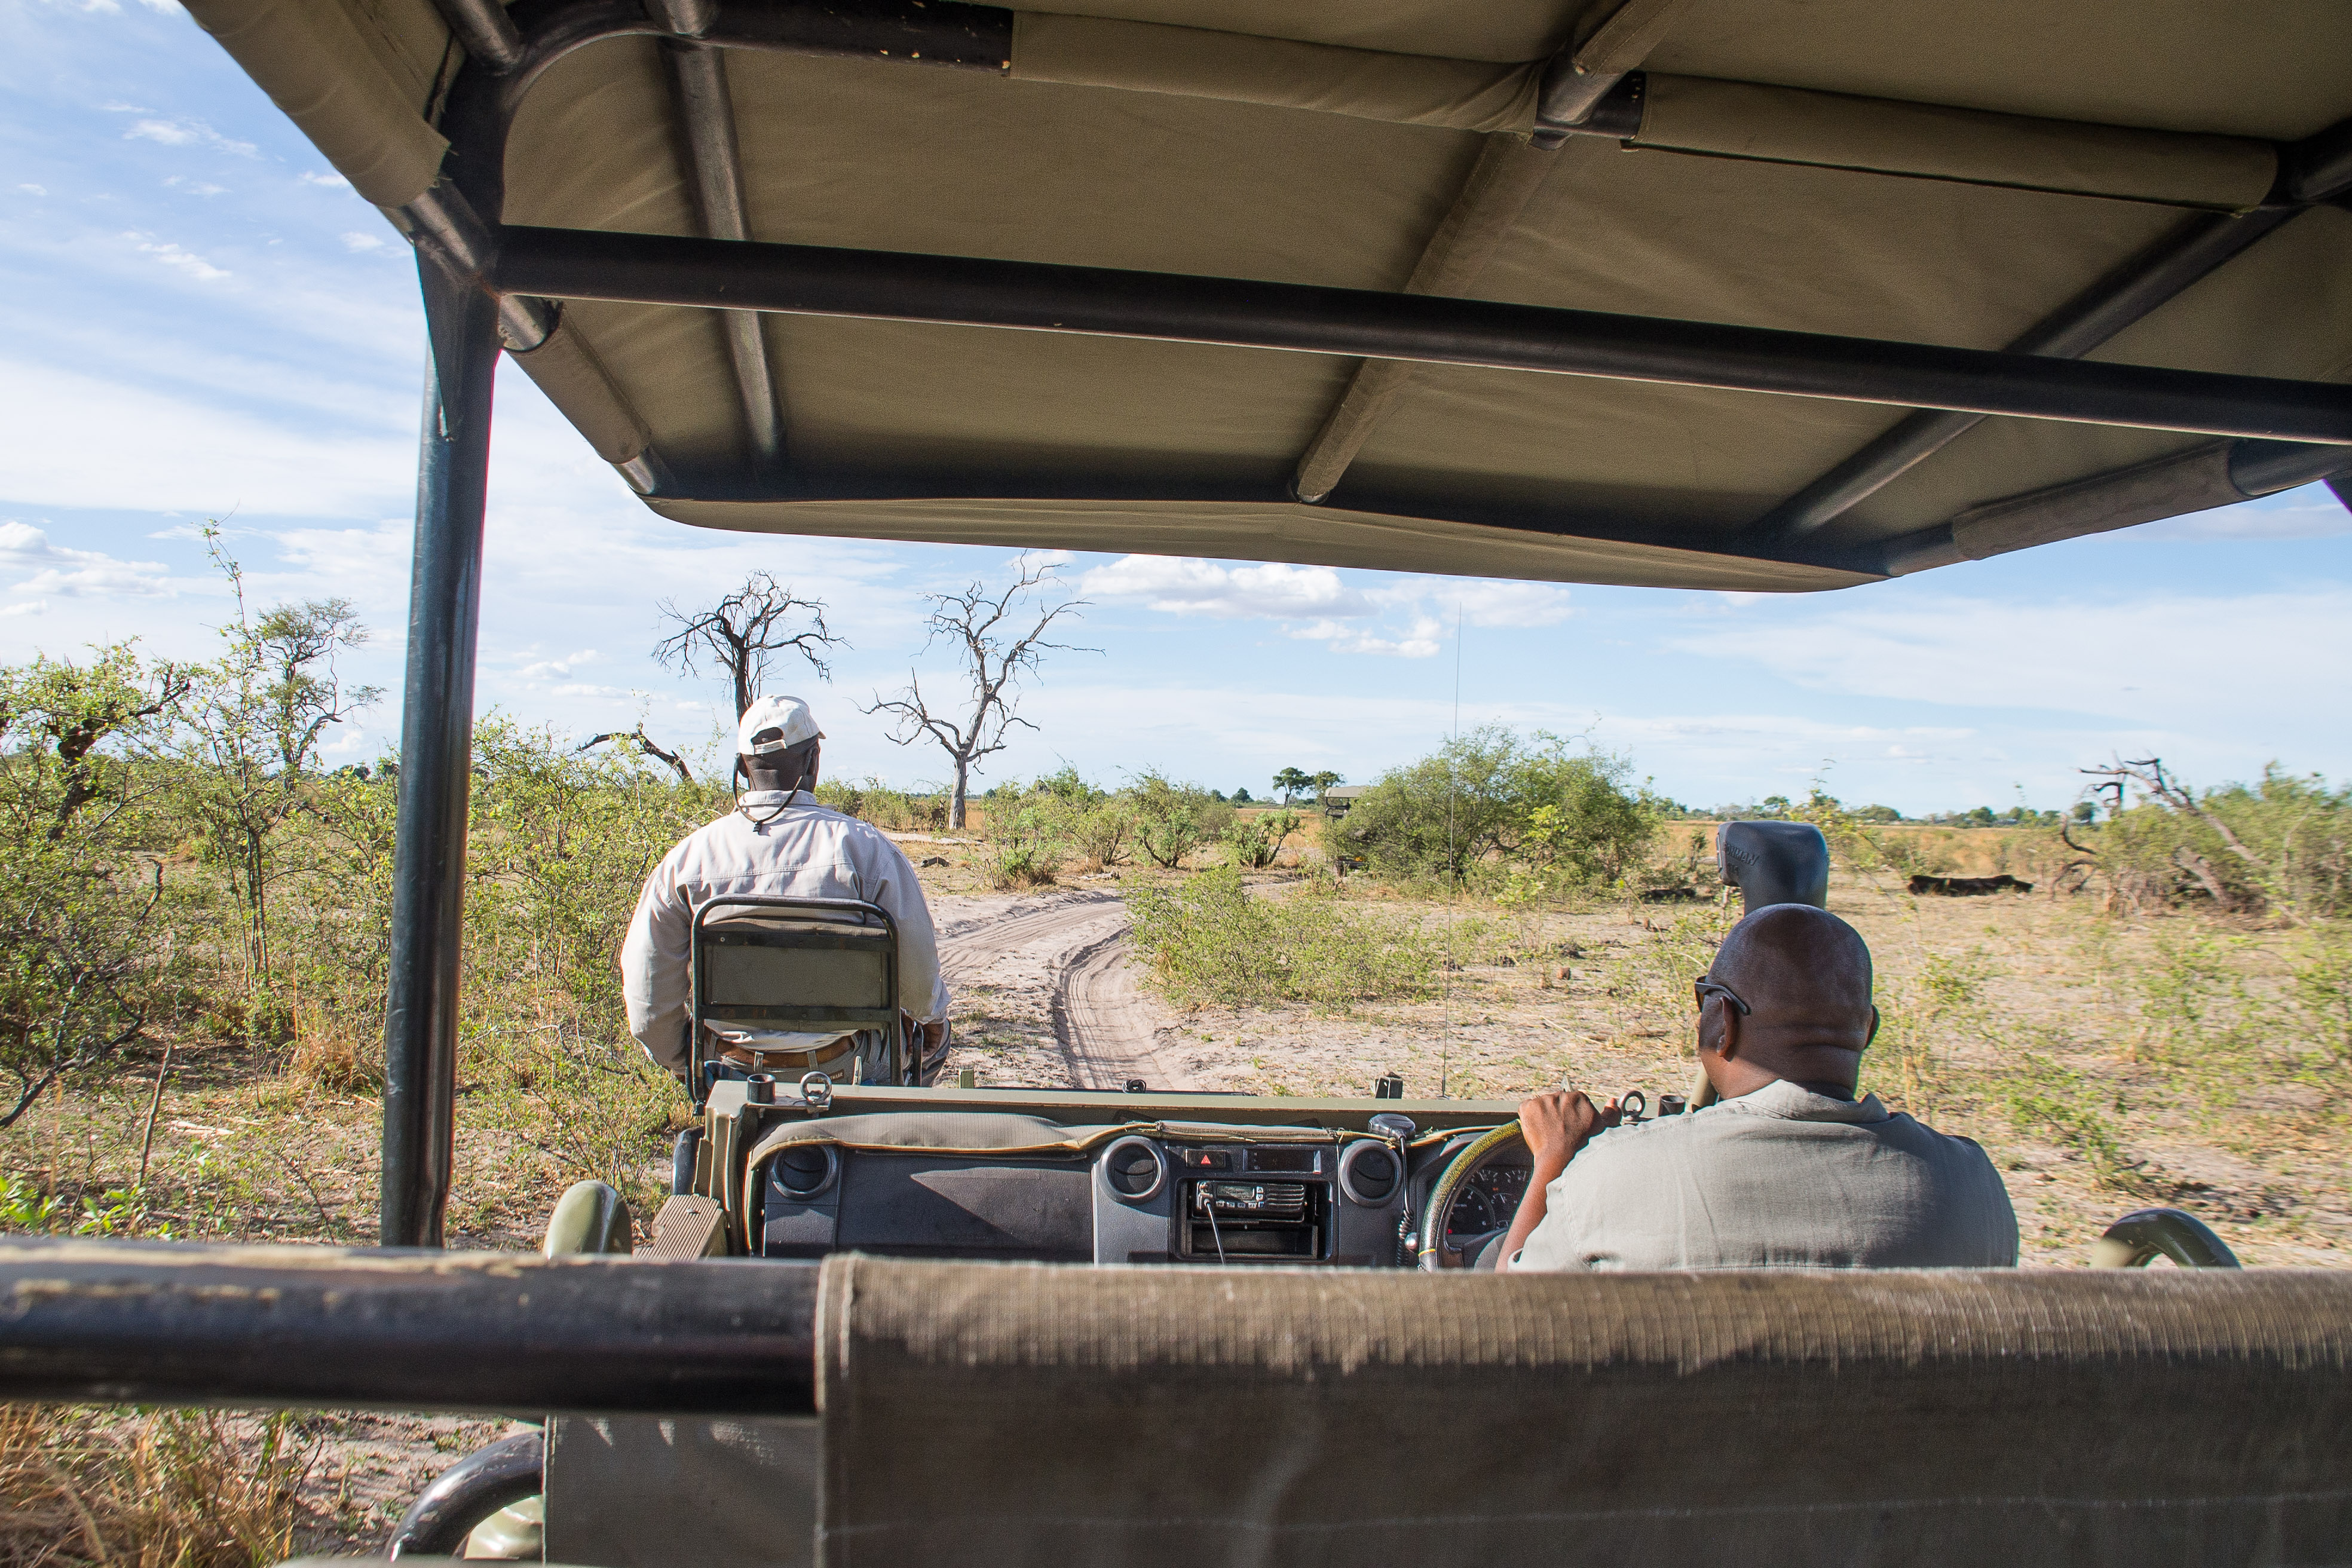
<point>1507,171</point>
<point>897,285</point>
<point>437,729</point>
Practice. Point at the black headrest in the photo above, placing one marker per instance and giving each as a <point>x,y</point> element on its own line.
<point>1774,863</point>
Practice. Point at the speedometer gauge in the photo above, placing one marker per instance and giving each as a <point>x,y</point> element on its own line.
<point>1488,1201</point>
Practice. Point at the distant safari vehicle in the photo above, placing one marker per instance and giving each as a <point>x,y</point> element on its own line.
<point>1751,296</point>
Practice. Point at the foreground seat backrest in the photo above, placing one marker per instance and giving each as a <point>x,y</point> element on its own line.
<point>1013,1413</point>
<point>795,974</point>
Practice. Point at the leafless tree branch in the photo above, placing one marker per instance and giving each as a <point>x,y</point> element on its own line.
<point>2149,774</point>
<point>978,626</point>
<point>643,743</point>
<point>742,633</point>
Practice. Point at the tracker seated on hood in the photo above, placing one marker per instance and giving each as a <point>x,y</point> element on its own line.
<point>777,842</point>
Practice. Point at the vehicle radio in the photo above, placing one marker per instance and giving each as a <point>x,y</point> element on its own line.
<point>1228,1211</point>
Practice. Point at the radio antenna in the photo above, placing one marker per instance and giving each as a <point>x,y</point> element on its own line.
<point>1453,773</point>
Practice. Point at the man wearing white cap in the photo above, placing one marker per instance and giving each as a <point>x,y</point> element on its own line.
<point>778,841</point>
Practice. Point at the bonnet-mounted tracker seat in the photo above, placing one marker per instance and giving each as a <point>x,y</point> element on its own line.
<point>791,986</point>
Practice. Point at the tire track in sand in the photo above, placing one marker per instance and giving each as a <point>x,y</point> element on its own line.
<point>1072,953</point>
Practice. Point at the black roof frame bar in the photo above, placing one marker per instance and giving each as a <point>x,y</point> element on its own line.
<point>2314,170</point>
<point>663,269</point>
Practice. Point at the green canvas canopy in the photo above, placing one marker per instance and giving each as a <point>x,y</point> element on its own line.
<point>1767,295</point>
<point>2130,184</point>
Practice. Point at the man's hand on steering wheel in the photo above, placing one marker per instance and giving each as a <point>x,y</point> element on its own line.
<point>1556,1125</point>
<point>1559,1123</point>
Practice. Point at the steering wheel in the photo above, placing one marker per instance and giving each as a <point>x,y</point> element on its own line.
<point>1438,1211</point>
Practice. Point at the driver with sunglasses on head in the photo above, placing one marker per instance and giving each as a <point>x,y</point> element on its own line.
<point>1789,1168</point>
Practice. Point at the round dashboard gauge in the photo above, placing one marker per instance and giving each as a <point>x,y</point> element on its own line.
<point>1473,1212</point>
<point>1489,1202</point>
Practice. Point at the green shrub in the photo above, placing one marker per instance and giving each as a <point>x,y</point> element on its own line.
<point>1012,865</point>
<point>82,887</point>
<point>1173,820</point>
<point>1208,940</point>
<point>1489,802</point>
<point>1020,831</point>
<point>2284,843</point>
<point>893,810</point>
<point>1257,840</point>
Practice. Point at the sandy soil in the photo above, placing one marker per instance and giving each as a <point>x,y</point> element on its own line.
<point>1598,999</point>
<point>1046,991</point>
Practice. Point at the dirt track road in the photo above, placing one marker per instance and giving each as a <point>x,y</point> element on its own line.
<point>1057,963</point>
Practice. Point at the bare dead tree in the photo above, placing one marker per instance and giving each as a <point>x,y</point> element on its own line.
<point>742,633</point>
<point>643,743</point>
<point>2149,774</point>
<point>980,627</point>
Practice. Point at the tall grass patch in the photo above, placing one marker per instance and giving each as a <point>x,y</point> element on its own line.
<point>1209,940</point>
<point>172,1488</point>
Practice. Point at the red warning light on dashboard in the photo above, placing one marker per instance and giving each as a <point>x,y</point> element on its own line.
<point>1205,1159</point>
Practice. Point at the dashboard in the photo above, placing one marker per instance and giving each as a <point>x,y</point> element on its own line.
<point>1199,1194</point>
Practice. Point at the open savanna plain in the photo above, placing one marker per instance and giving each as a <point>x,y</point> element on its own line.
<point>2108,1061</point>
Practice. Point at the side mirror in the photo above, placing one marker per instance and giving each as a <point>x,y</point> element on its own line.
<point>1774,863</point>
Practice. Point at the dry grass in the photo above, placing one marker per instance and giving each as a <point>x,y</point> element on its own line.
<point>80,1488</point>
<point>2076,1045</point>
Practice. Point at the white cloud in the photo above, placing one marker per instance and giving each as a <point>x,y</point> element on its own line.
<point>171,255</point>
<point>30,607</point>
<point>74,573</point>
<point>186,134</point>
<point>34,190</point>
<point>1481,602</point>
<point>1421,641</point>
<point>1186,586</point>
<point>82,441</point>
<point>345,740</point>
<point>357,242</point>
<point>329,179</point>
<point>1325,600</point>
<point>2160,658</point>
<point>2309,513</point>
<point>567,664</point>
<point>377,556</point>
<point>582,690</point>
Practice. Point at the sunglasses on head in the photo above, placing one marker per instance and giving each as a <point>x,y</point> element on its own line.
<point>1702,985</point>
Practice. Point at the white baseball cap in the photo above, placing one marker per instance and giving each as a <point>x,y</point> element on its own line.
<point>787,717</point>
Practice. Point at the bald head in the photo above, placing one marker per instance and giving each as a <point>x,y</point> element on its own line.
<point>1805,976</point>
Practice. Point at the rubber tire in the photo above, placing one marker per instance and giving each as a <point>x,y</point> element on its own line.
<point>486,1480</point>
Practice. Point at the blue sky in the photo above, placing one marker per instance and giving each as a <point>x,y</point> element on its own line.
<point>201,321</point>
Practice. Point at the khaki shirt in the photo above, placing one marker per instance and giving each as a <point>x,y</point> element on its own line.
<point>1779,1178</point>
<point>783,846</point>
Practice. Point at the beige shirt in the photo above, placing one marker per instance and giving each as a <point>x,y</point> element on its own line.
<point>1779,1178</point>
<point>786,846</point>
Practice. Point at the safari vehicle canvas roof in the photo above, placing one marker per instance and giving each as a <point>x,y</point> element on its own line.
<point>1687,205</point>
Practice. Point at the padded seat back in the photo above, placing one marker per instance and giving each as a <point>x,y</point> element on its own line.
<point>1013,1413</point>
<point>794,973</point>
